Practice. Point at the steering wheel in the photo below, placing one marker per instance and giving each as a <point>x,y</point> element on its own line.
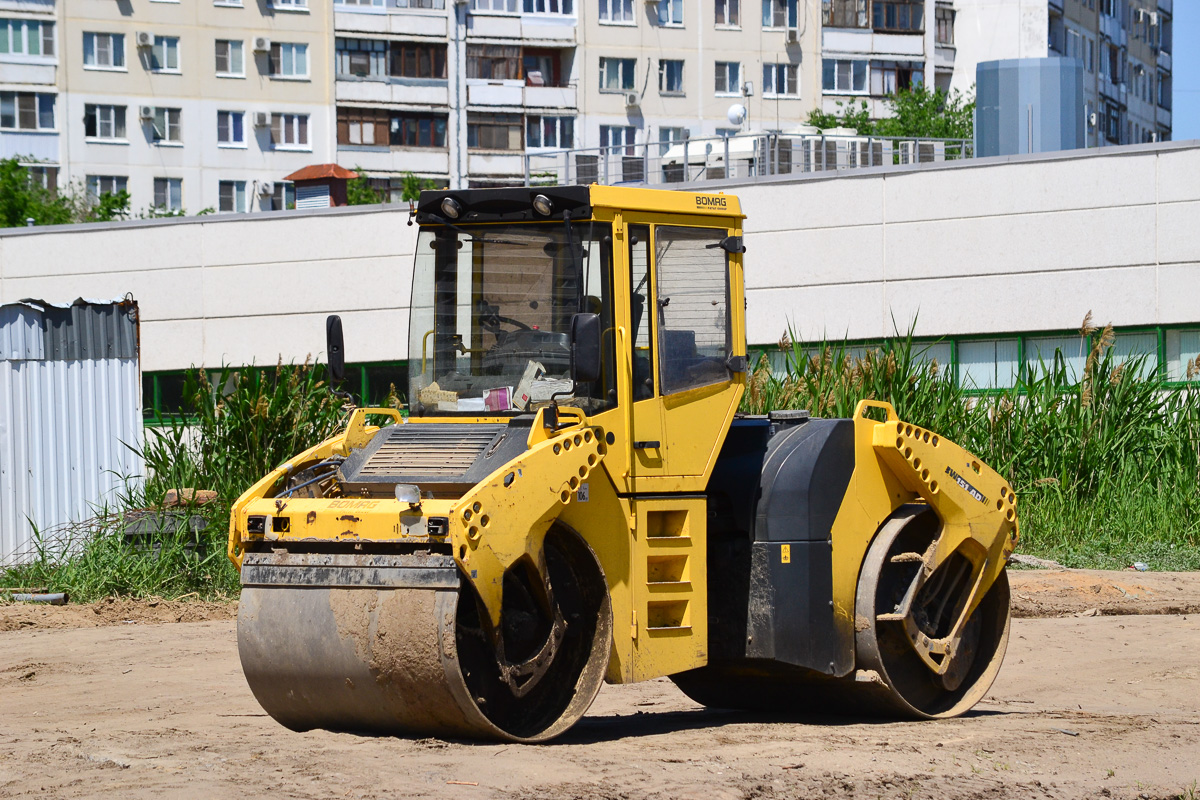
<point>490,320</point>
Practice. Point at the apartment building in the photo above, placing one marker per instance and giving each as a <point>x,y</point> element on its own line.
<point>187,106</point>
<point>459,92</point>
<point>31,115</point>
<point>1124,45</point>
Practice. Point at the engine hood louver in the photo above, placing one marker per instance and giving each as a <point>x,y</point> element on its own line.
<point>423,453</point>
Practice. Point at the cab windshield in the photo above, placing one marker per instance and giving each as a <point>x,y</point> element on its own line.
<point>491,316</point>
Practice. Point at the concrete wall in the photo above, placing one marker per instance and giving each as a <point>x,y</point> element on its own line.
<point>989,246</point>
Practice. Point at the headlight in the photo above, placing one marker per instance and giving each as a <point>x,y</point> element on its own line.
<point>451,208</point>
<point>542,205</point>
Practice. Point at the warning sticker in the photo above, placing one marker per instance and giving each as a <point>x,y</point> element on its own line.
<point>582,494</point>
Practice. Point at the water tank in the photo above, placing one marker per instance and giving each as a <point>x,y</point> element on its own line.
<point>1028,105</point>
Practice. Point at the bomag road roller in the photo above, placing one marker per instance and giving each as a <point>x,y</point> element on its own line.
<point>574,498</point>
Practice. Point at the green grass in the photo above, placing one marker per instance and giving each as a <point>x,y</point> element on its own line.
<point>1106,465</point>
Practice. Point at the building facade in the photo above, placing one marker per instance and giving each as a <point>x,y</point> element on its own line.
<point>186,106</point>
<point>1124,45</point>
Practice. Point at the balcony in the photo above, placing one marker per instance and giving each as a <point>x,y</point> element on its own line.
<point>33,145</point>
<point>1165,6</point>
<point>551,29</point>
<point>550,97</point>
<point>411,91</point>
<point>423,160</point>
<point>493,163</point>
<point>495,93</point>
<point>1112,28</point>
<point>1163,117</point>
<point>1164,60</point>
<point>498,27</point>
<point>28,6</point>
<point>404,21</point>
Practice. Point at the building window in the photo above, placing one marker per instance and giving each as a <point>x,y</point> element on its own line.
<point>1164,90</point>
<point>729,77</point>
<point>500,6</point>
<point>890,77</point>
<point>494,62</point>
<point>417,130</point>
<point>1112,123</point>
<point>945,27</point>
<point>987,364</point>
<point>542,67</point>
<point>617,74</point>
<point>411,60</point>
<point>617,12</point>
<point>668,137</point>
<point>231,196</point>
<point>230,130</point>
<point>494,132</point>
<point>779,80</point>
<point>100,185</point>
<point>695,331</point>
<point>104,50</point>
<point>549,7</point>
<point>779,14</point>
<point>104,122</point>
<point>168,194</point>
<point>230,60</point>
<point>166,125</point>
<point>361,58</point>
<point>289,60</point>
<point>670,76</point>
<point>432,4</point>
<point>289,5</point>
<point>1183,354</point>
<point>670,12</point>
<point>558,132</point>
<point>616,136</point>
<point>901,16</point>
<point>164,56</point>
<point>842,76</point>
<point>28,111</point>
<point>360,3</point>
<point>363,126</point>
<point>844,14</point>
<point>26,37</point>
<point>728,13</point>
<point>284,196</point>
<point>290,131</point>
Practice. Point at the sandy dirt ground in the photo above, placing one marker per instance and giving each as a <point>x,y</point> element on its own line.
<point>1099,697</point>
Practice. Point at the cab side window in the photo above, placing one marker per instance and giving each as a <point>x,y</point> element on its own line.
<point>639,305</point>
<point>695,337</point>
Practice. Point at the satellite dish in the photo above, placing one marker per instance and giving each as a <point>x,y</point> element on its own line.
<point>737,114</point>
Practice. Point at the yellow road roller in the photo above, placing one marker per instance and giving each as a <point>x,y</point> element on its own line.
<point>574,498</point>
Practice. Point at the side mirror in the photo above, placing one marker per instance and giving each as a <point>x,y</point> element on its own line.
<point>336,349</point>
<point>585,348</point>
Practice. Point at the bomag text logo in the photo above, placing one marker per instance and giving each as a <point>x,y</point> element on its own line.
<point>709,201</point>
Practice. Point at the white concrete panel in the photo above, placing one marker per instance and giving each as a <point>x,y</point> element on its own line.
<point>495,164</point>
<point>1177,174</point>
<point>162,294</point>
<point>175,344</point>
<point>1178,286</point>
<point>1029,187</point>
<point>815,313</point>
<point>898,44</point>
<point>814,257</point>
<point>1069,240</point>
<point>359,22</point>
<point>421,94</point>
<point>291,239</point>
<point>370,336</point>
<point>119,249</point>
<point>40,74</point>
<point>829,203</point>
<point>307,287</point>
<point>495,93</point>
<point>550,96</point>
<point>1033,302</point>
<point>1178,237</point>
<point>362,91</point>
<point>488,26</point>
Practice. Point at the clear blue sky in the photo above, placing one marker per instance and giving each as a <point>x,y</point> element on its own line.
<point>1185,71</point>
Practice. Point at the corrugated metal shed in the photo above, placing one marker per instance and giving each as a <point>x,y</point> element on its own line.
<point>70,412</point>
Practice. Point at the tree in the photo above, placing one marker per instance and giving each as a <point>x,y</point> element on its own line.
<point>412,186</point>
<point>359,191</point>
<point>22,198</point>
<point>916,112</point>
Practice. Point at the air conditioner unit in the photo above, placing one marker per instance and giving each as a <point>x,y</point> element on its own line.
<point>632,100</point>
<point>793,36</point>
<point>266,187</point>
<point>748,89</point>
<point>262,44</point>
<point>262,119</point>
<point>144,39</point>
<point>1093,118</point>
<point>146,112</point>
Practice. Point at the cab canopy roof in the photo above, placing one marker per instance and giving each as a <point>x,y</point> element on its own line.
<point>516,204</point>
